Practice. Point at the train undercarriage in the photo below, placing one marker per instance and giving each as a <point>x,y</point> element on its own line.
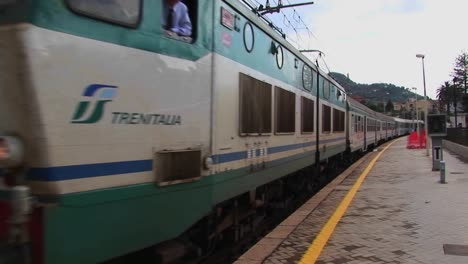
<point>236,224</point>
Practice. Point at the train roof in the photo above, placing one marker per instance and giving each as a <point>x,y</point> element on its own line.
<point>357,105</point>
<point>262,24</point>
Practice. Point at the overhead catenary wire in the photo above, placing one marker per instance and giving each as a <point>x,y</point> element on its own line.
<point>295,24</point>
<point>295,37</point>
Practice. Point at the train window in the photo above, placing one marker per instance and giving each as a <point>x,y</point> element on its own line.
<point>326,118</point>
<point>122,12</point>
<point>279,56</point>
<point>179,20</point>
<point>307,77</point>
<point>285,111</point>
<point>307,123</point>
<point>254,106</point>
<point>338,121</point>
<point>249,37</point>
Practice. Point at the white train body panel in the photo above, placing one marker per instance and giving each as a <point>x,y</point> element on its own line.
<point>172,94</point>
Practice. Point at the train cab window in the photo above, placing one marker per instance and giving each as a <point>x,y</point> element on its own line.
<point>285,109</point>
<point>178,19</point>
<point>338,121</point>
<point>254,106</point>
<point>326,118</point>
<point>307,123</point>
<point>122,12</point>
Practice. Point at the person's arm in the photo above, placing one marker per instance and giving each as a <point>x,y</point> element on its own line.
<point>184,27</point>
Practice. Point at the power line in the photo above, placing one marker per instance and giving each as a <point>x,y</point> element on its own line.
<point>295,24</point>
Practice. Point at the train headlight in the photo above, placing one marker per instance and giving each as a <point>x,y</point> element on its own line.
<point>11,151</point>
<point>208,163</point>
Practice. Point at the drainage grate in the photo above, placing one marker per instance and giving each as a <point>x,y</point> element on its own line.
<point>457,250</point>
<point>457,172</point>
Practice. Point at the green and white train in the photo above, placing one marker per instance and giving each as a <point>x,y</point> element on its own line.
<point>116,136</point>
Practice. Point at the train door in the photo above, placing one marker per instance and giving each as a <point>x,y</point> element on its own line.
<point>375,132</point>
<point>379,130</point>
<point>386,130</point>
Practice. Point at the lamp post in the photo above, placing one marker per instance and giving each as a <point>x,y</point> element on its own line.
<point>425,99</point>
<point>415,110</point>
<point>384,104</point>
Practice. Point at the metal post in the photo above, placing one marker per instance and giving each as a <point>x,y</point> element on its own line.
<point>415,114</point>
<point>442,172</point>
<point>427,108</point>
<point>419,127</point>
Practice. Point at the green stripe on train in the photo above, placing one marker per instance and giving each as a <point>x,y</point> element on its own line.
<point>116,221</point>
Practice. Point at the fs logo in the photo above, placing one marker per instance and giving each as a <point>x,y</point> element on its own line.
<point>107,92</point>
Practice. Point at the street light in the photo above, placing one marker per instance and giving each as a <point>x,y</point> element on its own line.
<point>415,110</point>
<point>425,99</point>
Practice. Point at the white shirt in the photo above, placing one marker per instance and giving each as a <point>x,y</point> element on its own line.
<point>180,19</point>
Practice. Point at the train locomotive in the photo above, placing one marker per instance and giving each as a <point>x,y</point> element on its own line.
<point>116,135</point>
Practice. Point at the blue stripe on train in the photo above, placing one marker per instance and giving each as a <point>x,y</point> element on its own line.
<point>112,168</point>
<point>88,170</point>
<point>233,156</point>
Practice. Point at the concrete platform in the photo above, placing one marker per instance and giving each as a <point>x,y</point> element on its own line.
<point>400,214</point>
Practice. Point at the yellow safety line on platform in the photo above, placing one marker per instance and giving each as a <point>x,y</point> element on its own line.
<point>321,240</point>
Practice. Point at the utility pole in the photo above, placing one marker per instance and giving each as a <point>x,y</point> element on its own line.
<point>422,56</point>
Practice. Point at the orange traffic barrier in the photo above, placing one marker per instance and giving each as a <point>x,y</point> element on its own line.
<point>416,141</point>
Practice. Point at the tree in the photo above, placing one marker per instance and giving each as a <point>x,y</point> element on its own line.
<point>456,92</point>
<point>380,107</point>
<point>389,106</point>
<point>460,81</point>
<point>465,103</point>
<point>372,106</point>
<point>460,72</point>
<point>443,95</point>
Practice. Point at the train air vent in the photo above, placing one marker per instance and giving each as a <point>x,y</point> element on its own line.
<point>177,166</point>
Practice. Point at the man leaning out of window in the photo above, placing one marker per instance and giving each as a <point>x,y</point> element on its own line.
<point>175,18</point>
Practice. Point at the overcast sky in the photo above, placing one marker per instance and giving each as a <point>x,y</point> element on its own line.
<point>377,40</point>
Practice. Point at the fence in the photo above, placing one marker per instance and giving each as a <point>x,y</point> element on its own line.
<point>457,135</point>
